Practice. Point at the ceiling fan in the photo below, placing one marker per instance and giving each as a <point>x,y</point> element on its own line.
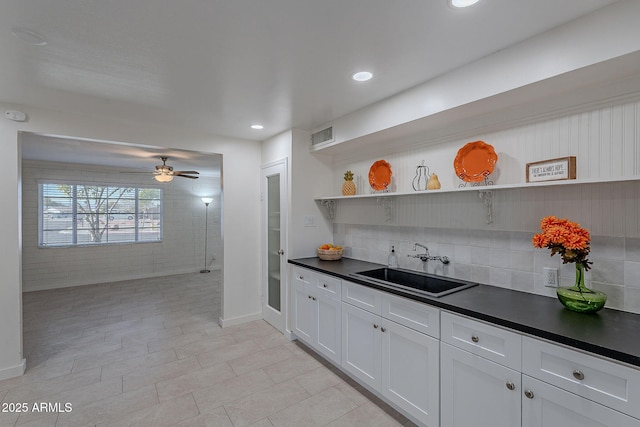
<point>165,173</point>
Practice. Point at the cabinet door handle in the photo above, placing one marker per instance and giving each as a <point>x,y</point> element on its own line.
<point>324,285</point>
<point>475,338</point>
<point>309,296</point>
<point>313,298</point>
<point>383,329</point>
<point>301,277</point>
<point>529,394</point>
<point>511,386</point>
<point>579,375</point>
<point>375,326</point>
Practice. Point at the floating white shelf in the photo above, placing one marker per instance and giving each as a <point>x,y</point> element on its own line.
<point>522,185</point>
<point>484,191</point>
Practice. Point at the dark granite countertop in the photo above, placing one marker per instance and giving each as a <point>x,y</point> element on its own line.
<point>610,333</point>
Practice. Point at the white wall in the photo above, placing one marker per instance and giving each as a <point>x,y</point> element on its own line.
<point>12,362</point>
<point>311,175</point>
<point>181,250</point>
<point>241,209</point>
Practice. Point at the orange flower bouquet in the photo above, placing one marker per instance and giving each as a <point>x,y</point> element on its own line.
<point>572,242</point>
<point>566,238</point>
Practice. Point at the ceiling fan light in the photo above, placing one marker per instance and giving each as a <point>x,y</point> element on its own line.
<point>164,178</point>
<point>463,3</point>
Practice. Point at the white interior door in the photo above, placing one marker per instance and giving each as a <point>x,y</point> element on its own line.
<point>274,198</point>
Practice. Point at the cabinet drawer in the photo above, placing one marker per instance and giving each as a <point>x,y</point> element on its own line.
<point>329,285</point>
<point>603,381</point>
<point>362,296</point>
<point>412,314</point>
<point>304,276</point>
<point>491,342</point>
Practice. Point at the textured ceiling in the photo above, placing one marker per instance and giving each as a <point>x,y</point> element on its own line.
<point>220,65</point>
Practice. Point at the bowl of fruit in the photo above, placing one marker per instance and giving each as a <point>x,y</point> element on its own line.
<point>329,252</point>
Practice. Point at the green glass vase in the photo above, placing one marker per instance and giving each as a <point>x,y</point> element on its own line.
<point>580,298</point>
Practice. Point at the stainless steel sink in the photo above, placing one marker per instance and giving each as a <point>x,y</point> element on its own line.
<point>421,283</point>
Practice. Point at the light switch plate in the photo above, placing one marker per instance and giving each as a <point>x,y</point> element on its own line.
<point>309,221</point>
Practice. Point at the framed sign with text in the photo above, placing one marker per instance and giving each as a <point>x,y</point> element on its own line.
<point>552,170</point>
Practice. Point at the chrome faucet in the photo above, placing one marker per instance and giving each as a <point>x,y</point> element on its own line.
<point>426,257</point>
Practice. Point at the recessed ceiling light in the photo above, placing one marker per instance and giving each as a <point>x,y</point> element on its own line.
<point>257,127</point>
<point>29,36</point>
<point>362,76</point>
<point>463,3</point>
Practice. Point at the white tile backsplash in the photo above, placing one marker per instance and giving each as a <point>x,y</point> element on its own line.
<point>503,259</point>
<point>632,249</point>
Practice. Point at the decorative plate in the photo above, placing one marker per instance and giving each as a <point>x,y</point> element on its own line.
<point>475,161</point>
<point>380,175</point>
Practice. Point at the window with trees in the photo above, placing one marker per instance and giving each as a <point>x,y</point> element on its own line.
<point>87,214</point>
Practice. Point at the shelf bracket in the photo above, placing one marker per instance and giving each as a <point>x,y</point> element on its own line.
<point>487,196</point>
<point>330,206</point>
<point>388,204</point>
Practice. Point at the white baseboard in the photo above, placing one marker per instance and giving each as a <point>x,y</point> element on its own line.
<point>224,323</point>
<point>49,286</point>
<point>13,371</point>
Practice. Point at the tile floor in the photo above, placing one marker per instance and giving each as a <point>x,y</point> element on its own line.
<point>150,353</point>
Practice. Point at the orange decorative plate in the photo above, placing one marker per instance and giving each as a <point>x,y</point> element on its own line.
<point>380,175</point>
<point>475,161</point>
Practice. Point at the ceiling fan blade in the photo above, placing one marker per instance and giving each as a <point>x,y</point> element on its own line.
<point>187,172</point>
<point>187,176</point>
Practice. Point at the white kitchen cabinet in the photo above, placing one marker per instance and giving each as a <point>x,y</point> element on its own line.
<point>476,391</point>
<point>544,405</point>
<point>567,387</point>
<point>491,376</point>
<point>600,380</point>
<point>399,362</point>
<point>317,312</point>
<point>328,328</point>
<point>361,344</point>
<point>480,380</point>
<point>491,342</point>
<point>303,312</point>
<point>410,364</point>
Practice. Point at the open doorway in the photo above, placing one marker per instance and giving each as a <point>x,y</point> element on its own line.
<point>94,214</point>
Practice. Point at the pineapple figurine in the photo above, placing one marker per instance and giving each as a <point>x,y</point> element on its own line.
<point>349,187</point>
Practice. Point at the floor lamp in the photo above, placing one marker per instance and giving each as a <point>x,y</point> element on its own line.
<point>206,201</point>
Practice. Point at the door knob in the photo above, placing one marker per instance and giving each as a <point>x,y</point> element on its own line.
<point>281,252</point>
<point>511,386</point>
<point>475,338</point>
<point>529,394</point>
<point>375,326</point>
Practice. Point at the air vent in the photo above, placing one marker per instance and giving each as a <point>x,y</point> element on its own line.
<point>324,135</point>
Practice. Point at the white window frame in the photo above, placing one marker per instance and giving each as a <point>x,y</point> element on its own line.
<point>74,229</point>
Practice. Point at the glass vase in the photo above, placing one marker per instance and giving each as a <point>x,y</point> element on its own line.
<point>580,298</point>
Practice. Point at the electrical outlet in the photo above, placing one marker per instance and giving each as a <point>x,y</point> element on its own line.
<point>551,277</point>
